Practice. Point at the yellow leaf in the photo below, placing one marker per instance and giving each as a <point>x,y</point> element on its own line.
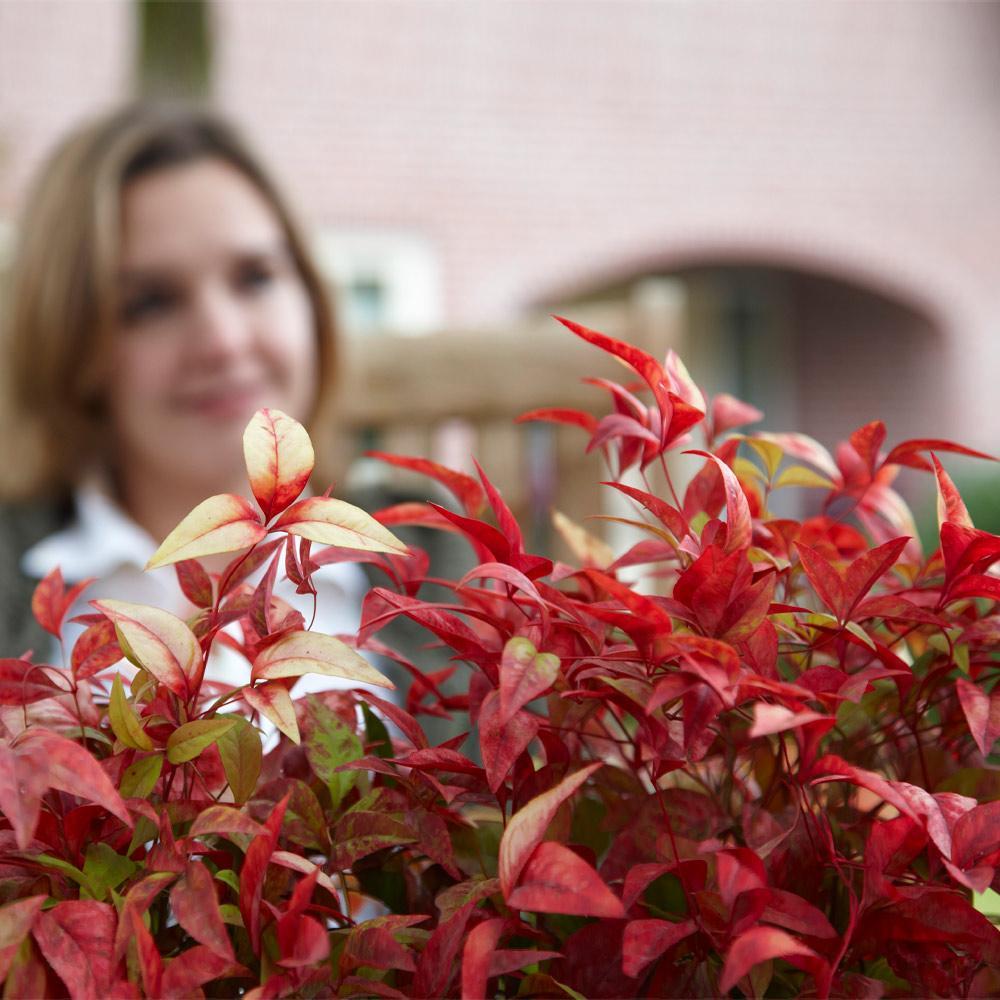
<point>770,454</point>
<point>334,522</point>
<point>275,704</point>
<point>314,653</point>
<point>223,523</point>
<point>155,640</point>
<point>799,475</point>
<point>586,547</point>
<point>279,458</point>
<point>124,721</point>
<point>187,742</point>
<point>745,469</point>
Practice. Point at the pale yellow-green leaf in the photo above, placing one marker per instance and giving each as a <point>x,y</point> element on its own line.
<point>855,629</point>
<point>770,454</point>
<point>301,653</point>
<point>242,753</point>
<point>745,469</point>
<point>586,547</point>
<point>649,529</point>
<point>156,640</point>
<point>275,704</point>
<point>189,740</point>
<point>223,523</point>
<point>279,458</point>
<point>800,475</point>
<point>334,522</point>
<point>140,777</point>
<point>124,721</point>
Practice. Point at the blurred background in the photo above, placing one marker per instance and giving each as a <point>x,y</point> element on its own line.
<point>803,199</point>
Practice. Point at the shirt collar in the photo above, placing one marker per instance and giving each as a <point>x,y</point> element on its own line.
<point>100,539</point>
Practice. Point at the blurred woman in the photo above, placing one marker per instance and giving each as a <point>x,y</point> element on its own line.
<point>161,292</point>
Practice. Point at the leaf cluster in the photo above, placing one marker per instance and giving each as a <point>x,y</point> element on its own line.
<point>762,768</point>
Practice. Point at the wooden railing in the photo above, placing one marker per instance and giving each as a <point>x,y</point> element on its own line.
<point>445,395</point>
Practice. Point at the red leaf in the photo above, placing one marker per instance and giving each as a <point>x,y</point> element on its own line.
<point>866,441</point>
<point>436,965</point>
<point>76,938</point>
<point>196,907</point>
<point>982,713</point>
<point>150,963</point>
<point>738,870</point>
<point>42,759</point>
<point>794,913</point>
<point>758,945</point>
<point>907,452</point>
<point>16,920</point>
<point>651,371</point>
<point>407,725</point>
<point>51,601</point>
<point>975,585</point>
<point>194,582</point>
<point>950,506</point>
<point>825,579</point>
<point>528,825</point>
<point>525,674</point>
<point>23,682</point>
<point>310,944</point>
<point>195,967</point>
<point>254,869</point>
<point>558,415</point>
<point>868,569</point>
<point>465,489</point>
<point>670,517</point>
<point>739,523</point>
<point>96,649</point>
<point>645,941</point>
<point>557,880</point>
<point>502,742</point>
<point>479,948</point>
<point>137,901</point>
<point>976,834</point>
<point>646,611</point>
<point>770,719</point>
<point>729,412</point>
<point>372,944</point>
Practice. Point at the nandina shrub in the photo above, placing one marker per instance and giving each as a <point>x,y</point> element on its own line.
<point>766,772</point>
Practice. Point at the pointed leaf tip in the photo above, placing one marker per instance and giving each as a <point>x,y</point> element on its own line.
<point>223,523</point>
<point>334,522</point>
<point>279,459</point>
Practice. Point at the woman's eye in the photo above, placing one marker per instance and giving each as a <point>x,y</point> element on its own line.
<point>147,305</point>
<point>252,277</point>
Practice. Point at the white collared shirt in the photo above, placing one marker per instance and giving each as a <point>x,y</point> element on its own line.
<point>103,541</point>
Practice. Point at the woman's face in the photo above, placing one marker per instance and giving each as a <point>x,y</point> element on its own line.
<point>215,322</point>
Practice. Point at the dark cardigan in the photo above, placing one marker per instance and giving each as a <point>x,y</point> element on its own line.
<point>21,526</point>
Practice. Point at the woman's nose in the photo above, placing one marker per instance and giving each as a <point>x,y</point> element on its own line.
<point>220,327</point>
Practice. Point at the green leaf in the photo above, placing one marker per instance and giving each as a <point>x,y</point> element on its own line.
<point>329,744</point>
<point>124,720</point>
<point>799,475</point>
<point>230,878</point>
<point>187,741</point>
<point>376,735</point>
<point>242,753</point>
<point>855,629</point>
<point>105,869</point>
<point>140,777</point>
<point>770,454</point>
<point>71,871</point>
<point>230,914</point>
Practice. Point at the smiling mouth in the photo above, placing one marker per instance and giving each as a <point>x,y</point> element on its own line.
<point>221,404</point>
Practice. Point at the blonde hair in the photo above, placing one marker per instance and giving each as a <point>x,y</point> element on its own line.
<point>61,297</point>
